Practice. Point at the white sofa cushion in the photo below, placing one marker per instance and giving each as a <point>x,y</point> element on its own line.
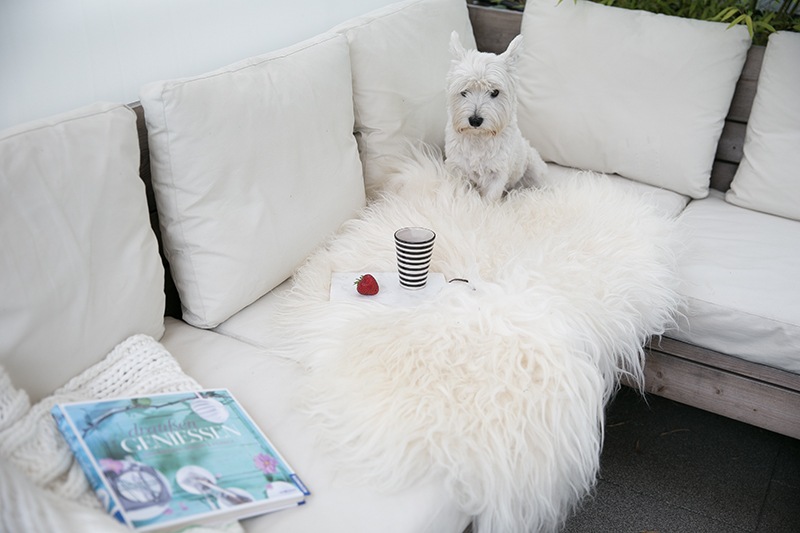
<point>668,203</point>
<point>255,324</point>
<point>265,385</point>
<point>767,178</point>
<point>627,92</point>
<point>253,165</point>
<point>739,273</point>
<point>80,268</point>
<point>400,60</point>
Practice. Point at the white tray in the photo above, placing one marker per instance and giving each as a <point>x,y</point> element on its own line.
<point>343,288</point>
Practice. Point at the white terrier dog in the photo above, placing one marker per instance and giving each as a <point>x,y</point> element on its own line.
<point>483,143</point>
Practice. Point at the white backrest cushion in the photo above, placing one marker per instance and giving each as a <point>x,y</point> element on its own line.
<point>253,166</point>
<point>768,177</point>
<point>628,92</point>
<point>400,59</point>
<point>80,268</point>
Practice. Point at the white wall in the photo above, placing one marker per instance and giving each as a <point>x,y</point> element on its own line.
<point>56,55</point>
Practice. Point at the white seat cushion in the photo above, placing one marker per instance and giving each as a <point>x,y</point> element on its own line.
<point>80,269</point>
<point>255,323</point>
<point>264,384</point>
<point>740,274</point>
<point>767,178</point>
<point>627,92</point>
<point>400,61</point>
<point>664,201</point>
<point>253,166</point>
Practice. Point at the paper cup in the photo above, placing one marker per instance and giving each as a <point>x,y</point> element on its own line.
<point>414,251</point>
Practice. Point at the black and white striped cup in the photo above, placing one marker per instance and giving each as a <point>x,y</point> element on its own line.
<point>414,250</point>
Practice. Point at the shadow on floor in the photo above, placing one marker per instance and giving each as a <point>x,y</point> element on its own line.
<point>670,468</point>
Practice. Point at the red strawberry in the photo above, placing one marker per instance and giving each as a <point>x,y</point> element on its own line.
<point>367,285</point>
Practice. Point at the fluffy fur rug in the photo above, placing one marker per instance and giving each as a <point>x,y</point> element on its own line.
<point>497,386</point>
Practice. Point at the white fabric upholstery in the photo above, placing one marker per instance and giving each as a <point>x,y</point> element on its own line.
<point>739,272</point>
<point>253,165</point>
<point>768,178</point>
<point>400,60</point>
<point>666,202</point>
<point>627,92</point>
<point>265,384</point>
<point>255,323</point>
<point>80,269</point>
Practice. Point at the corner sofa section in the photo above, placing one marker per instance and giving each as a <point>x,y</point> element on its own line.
<point>82,270</point>
<point>736,349</point>
<point>84,239</point>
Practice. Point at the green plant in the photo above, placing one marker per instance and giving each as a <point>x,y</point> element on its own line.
<point>515,5</point>
<point>782,16</point>
<point>762,23</point>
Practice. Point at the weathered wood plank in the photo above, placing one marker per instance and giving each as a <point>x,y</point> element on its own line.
<point>494,28</point>
<point>742,100</point>
<point>730,151</point>
<point>727,363</point>
<point>144,156</point>
<point>173,302</point>
<point>746,86</point>
<point>722,174</point>
<point>753,402</point>
<point>731,142</point>
<point>752,65</point>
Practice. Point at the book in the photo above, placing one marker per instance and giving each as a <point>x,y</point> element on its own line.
<point>165,461</point>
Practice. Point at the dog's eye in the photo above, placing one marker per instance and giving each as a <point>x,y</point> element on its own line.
<point>494,93</point>
<point>464,94</point>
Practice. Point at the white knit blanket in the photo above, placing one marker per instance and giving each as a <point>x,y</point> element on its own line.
<point>43,488</point>
<point>498,386</point>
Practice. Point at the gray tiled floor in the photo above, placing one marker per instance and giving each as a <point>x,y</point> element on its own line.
<point>669,468</point>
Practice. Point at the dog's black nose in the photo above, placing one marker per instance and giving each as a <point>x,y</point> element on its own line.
<point>475,121</point>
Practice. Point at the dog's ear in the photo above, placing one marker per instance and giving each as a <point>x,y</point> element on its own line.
<point>511,55</point>
<point>456,48</point>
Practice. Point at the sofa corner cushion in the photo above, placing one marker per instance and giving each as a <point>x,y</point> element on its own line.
<point>628,92</point>
<point>738,272</point>
<point>400,59</point>
<point>768,177</point>
<point>80,264</point>
<point>253,166</point>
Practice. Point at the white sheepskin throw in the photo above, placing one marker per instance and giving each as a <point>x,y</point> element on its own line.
<point>497,386</point>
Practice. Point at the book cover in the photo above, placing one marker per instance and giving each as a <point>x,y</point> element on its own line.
<point>164,461</point>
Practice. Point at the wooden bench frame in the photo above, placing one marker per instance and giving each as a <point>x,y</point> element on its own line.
<point>749,392</point>
<point>756,394</point>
